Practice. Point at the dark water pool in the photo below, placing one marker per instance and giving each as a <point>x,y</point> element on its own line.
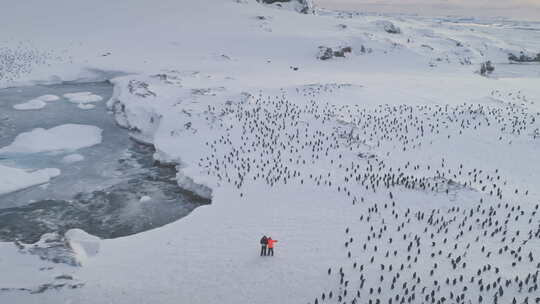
<point>116,190</point>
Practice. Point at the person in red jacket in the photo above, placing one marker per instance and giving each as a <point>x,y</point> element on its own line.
<point>271,246</point>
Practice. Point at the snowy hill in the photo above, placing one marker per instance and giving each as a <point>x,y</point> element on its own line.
<point>390,172</point>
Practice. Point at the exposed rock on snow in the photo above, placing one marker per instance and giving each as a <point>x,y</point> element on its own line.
<point>50,247</point>
<point>141,89</point>
<point>524,57</point>
<point>389,27</point>
<point>63,137</point>
<point>302,6</point>
<point>486,68</point>
<point>326,53</point>
<point>73,248</point>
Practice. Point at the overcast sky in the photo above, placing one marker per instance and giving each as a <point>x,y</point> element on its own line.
<point>516,9</point>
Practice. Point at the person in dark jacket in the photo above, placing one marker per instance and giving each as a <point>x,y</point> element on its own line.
<point>264,242</point>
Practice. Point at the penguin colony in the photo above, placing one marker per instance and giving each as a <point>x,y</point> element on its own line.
<point>18,61</point>
<point>485,250</point>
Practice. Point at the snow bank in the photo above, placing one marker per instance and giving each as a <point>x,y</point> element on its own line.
<point>186,182</point>
<point>63,137</point>
<point>14,179</point>
<point>84,245</point>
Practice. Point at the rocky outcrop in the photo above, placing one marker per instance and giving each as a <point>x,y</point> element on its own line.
<point>486,68</point>
<point>389,27</point>
<point>302,6</point>
<point>326,53</point>
<point>524,57</point>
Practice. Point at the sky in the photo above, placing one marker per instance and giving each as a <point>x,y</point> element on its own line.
<point>514,9</point>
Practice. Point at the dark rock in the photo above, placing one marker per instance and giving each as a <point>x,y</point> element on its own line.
<point>326,53</point>
<point>391,28</point>
<point>524,58</point>
<point>304,6</point>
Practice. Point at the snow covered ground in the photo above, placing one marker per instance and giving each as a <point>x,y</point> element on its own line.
<point>392,173</point>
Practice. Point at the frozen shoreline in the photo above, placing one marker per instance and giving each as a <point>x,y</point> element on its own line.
<point>100,187</point>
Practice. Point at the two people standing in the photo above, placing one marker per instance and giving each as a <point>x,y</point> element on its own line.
<point>267,246</point>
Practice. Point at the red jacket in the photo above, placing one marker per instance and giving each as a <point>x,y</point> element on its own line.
<point>271,243</point>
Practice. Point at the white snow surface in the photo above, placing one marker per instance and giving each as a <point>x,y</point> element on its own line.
<point>64,137</point>
<point>350,160</point>
<point>84,245</point>
<point>14,179</point>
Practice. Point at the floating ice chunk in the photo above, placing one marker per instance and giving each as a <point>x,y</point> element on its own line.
<point>14,179</point>
<point>145,199</point>
<point>63,137</point>
<point>48,97</point>
<point>85,106</point>
<point>83,97</point>
<point>72,158</point>
<point>34,104</point>
<point>84,245</point>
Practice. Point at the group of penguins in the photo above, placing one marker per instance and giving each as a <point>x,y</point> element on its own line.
<point>481,251</point>
<point>20,60</point>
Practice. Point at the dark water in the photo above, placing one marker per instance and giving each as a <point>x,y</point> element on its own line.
<point>101,194</point>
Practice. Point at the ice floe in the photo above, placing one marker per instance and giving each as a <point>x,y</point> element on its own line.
<point>14,179</point>
<point>63,137</point>
<point>83,97</point>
